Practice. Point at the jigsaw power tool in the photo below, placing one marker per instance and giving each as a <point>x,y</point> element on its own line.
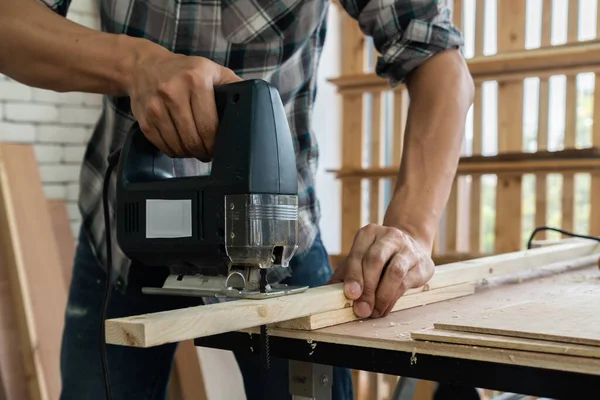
<point>219,233</point>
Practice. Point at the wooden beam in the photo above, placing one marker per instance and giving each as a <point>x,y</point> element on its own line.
<point>32,259</point>
<point>322,320</point>
<point>183,324</point>
<point>517,168</point>
<point>545,61</point>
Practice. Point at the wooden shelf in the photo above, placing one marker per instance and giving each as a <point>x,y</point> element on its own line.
<point>571,160</point>
<point>545,61</point>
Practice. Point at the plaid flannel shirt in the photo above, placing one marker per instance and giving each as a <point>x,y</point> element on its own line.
<point>276,40</point>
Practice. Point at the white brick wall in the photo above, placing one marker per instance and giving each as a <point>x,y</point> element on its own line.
<point>57,125</point>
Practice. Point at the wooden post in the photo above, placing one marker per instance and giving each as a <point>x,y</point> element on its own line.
<point>511,36</point>
<point>352,139</point>
<point>568,184</point>
<point>542,133</point>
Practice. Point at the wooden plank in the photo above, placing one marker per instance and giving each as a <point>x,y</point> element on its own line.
<point>569,319</point>
<point>517,168</point>
<point>193,322</point>
<point>474,243</point>
<point>451,219</point>
<point>401,101</point>
<point>352,150</point>
<point>507,65</point>
<point>595,177</point>
<point>65,241</point>
<point>353,62</point>
<point>13,376</point>
<point>543,118</point>
<point>34,266</point>
<point>511,37</point>
<point>568,183</point>
<point>322,320</point>
<point>551,258</point>
<point>375,209</point>
<point>506,342</point>
<point>188,323</point>
<point>189,372</point>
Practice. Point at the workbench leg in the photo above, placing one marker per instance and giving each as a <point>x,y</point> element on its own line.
<point>310,381</point>
<point>405,389</point>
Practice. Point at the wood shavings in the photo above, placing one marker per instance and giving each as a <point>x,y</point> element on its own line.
<point>512,358</point>
<point>313,345</point>
<point>392,324</point>
<point>413,357</point>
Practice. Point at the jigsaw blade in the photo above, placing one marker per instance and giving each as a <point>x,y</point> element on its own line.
<point>264,334</point>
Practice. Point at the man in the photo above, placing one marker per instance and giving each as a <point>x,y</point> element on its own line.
<point>157,61</point>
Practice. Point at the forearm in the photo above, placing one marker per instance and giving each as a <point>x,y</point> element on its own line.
<point>42,49</point>
<point>441,92</point>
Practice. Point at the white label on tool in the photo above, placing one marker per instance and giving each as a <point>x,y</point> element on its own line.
<point>168,218</point>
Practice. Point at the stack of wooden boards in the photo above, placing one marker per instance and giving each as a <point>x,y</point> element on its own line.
<point>568,325</point>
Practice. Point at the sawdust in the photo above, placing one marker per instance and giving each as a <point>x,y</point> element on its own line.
<point>392,324</point>
<point>313,345</point>
<point>413,357</point>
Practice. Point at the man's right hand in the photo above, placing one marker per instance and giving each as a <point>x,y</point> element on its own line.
<point>173,100</point>
<point>172,95</point>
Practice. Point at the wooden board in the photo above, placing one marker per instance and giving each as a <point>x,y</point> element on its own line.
<point>33,263</point>
<point>573,319</point>
<point>189,323</point>
<point>13,378</point>
<point>506,342</point>
<point>65,241</point>
<point>322,320</point>
<point>483,269</point>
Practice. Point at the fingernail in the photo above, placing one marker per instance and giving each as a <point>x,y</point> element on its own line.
<point>362,309</point>
<point>352,290</point>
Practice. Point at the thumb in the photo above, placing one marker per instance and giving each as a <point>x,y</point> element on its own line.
<point>225,75</point>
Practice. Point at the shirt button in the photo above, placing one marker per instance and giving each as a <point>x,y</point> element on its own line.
<point>119,283</point>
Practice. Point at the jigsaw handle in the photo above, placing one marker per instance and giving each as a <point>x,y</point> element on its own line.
<point>253,147</point>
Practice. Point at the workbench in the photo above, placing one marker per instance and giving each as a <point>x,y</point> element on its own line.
<point>385,345</point>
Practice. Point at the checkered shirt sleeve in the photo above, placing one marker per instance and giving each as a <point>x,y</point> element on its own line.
<point>405,32</point>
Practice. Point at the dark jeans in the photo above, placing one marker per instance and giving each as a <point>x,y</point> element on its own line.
<point>144,373</point>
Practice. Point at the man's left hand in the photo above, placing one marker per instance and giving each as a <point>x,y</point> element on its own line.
<point>383,263</point>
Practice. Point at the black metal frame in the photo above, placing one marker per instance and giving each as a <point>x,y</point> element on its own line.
<point>531,381</point>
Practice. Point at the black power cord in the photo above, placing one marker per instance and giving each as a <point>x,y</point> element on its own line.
<point>113,161</point>
<point>564,232</point>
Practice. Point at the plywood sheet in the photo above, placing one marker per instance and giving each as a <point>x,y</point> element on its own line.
<point>506,342</point>
<point>572,319</point>
<point>394,331</point>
